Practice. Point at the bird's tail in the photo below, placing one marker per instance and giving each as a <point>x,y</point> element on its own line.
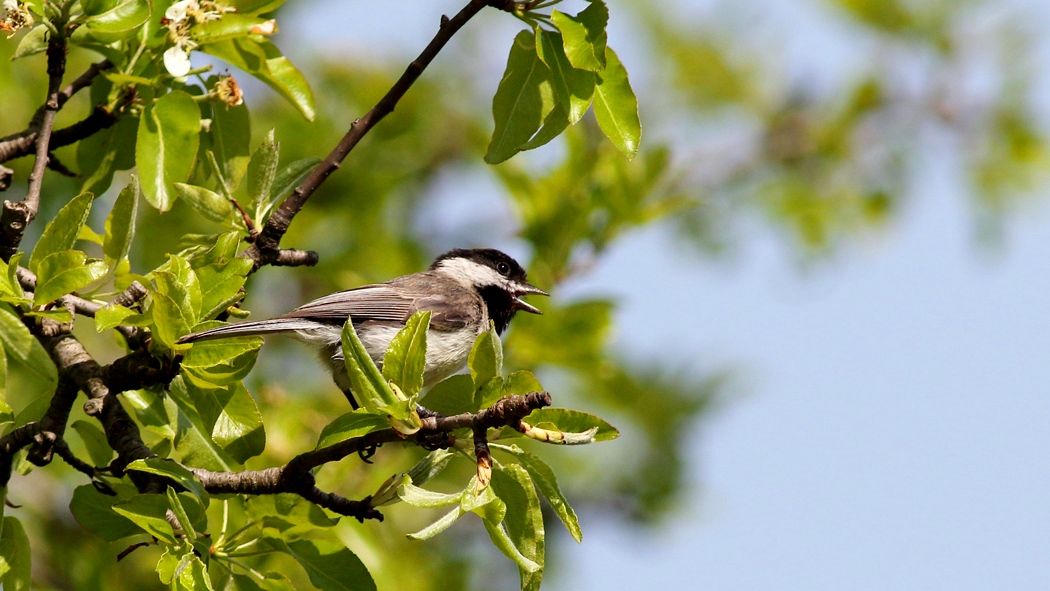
<point>251,328</point>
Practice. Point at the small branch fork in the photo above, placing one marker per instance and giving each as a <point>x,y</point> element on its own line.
<point>297,475</point>
<point>265,250</point>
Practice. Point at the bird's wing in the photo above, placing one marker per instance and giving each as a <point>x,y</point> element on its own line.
<point>370,302</point>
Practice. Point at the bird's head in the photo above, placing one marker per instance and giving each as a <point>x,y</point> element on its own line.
<point>487,268</point>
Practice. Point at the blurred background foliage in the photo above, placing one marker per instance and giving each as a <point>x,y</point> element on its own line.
<point>732,138</point>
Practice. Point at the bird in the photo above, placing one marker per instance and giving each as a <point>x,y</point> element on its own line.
<point>464,289</point>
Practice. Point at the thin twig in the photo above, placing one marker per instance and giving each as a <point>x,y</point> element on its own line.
<point>266,247</point>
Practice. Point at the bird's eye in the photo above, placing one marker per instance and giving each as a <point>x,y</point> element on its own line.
<point>503,268</point>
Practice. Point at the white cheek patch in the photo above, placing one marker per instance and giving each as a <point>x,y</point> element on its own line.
<point>472,274</point>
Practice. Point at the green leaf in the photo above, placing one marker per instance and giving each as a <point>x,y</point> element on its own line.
<point>147,511</point>
<point>222,362</point>
<point>169,320</point>
<point>574,87</point>
<point>21,346</point>
<point>521,382</point>
<point>330,565</point>
<point>231,135</point>
<point>523,522</point>
<point>221,285</point>
<point>443,523</point>
<point>547,483</point>
<point>193,576</point>
<point>193,438</point>
<point>118,16</point>
<point>111,316</point>
<point>288,513</point>
<point>452,396</point>
<point>616,107</point>
<point>368,384</point>
<point>95,441</point>
<point>584,36</point>
<point>32,43</point>
<point>430,466</point>
<point>406,357</point>
<point>120,224</point>
<point>262,170</point>
<point>553,124</point>
<point>62,231</point>
<point>157,413</point>
<point>174,471</point>
<point>94,512</point>
<point>271,581</point>
<point>7,415</point>
<point>10,289</point>
<point>65,272</point>
<point>109,150</point>
<point>168,138</point>
<point>231,417</point>
<point>177,280</point>
<point>262,59</point>
<point>356,423</point>
<point>15,558</point>
<point>486,358</point>
<point>255,7</point>
<point>230,26</point>
<point>208,203</point>
<point>523,99</point>
<point>180,514</point>
<point>572,421</point>
<point>427,499</point>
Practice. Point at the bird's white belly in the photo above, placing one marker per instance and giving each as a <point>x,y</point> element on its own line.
<point>447,351</point>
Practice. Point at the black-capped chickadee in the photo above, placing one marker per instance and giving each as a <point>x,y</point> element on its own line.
<point>463,289</point>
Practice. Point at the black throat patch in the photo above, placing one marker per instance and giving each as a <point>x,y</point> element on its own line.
<point>500,306</point>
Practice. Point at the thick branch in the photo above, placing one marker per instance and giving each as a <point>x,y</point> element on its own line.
<point>266,248</point>
<point>297,475</point>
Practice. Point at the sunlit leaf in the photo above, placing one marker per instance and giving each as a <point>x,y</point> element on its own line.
<point>262,59</point>
<point>584,36</point>
<point>120,225</point>
<point>15,558</point>
<point>406,357</point>
<point>357,423</point>
<point>574,87</point>
<point>616,107</point>
<point>147,511</point>
<point>523,99</point>
<point>329,564</point>
<point>166,148</point>
<point>62,231</point>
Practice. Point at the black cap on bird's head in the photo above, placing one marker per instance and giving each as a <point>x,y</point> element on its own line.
<point>491,269</point>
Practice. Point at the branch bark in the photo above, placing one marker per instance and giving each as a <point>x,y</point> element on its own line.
<point>16,216</point>
<point>297,475</point>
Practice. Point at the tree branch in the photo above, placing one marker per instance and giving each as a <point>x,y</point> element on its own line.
<point>265,250</point>
<point>297,475</point>
<point>16,216</point>
<point>21,144</point>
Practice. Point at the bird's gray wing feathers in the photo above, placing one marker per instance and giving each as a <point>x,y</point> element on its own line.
<point>371,302</point>
<point>455,307</point>
<point>250,328</point>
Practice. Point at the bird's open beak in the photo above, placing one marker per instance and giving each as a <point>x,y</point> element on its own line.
<point>524,306</point>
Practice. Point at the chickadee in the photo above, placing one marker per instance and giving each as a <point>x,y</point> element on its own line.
<point>463,289</point>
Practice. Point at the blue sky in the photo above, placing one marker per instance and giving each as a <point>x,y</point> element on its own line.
<point>890,428</point>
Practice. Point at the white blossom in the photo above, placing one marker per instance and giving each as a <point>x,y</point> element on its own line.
<point>177,61</point>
